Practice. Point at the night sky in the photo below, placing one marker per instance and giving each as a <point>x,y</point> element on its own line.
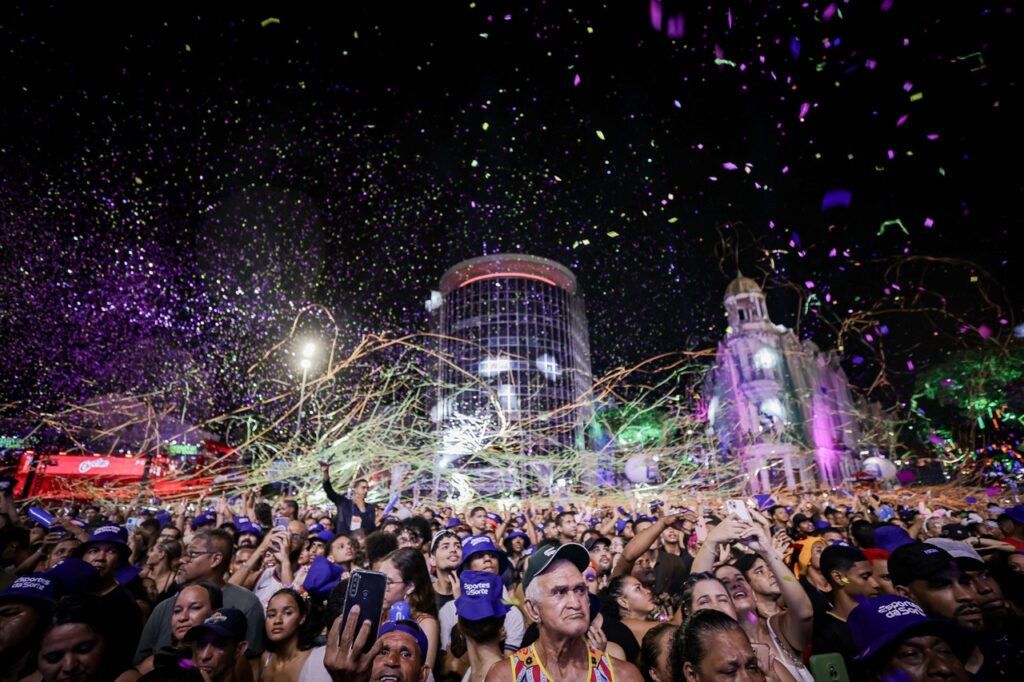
<point>177,184</point>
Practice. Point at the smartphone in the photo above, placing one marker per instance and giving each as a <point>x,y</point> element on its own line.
<point>131,523</point>
<point>829,668</point>
<point>738,509</point>
<point>281,522</point>
<point>365,589</point>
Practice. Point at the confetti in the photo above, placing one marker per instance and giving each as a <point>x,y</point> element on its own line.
<point>169,214</point>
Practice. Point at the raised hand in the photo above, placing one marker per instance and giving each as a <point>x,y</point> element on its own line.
<point>344,658</point>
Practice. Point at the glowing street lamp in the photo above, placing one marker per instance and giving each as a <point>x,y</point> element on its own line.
<point>305,362</point>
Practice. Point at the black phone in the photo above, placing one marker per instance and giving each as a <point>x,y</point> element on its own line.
<point>365,589</point>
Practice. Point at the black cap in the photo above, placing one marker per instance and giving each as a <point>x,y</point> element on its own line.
<point>539,561</point>
<point>919,561</point>
<point>800,518</point>
<point>595,541</point>
<point>225,623</point>
<point>955,531</point>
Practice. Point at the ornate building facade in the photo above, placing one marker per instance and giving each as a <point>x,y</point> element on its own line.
<point>781,407</point>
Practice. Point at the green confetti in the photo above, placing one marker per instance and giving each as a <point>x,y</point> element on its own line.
<point>896,222</point>
<point>600,135</point>
<point>269,20</point>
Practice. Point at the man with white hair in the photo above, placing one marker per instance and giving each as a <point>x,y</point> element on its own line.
<point>557,600</point>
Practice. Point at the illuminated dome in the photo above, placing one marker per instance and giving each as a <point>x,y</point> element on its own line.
<point>742,285</point>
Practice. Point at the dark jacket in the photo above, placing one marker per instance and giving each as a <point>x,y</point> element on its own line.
<point>347,509</point>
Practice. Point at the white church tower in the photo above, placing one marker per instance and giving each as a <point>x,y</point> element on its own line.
<point>780,407</point>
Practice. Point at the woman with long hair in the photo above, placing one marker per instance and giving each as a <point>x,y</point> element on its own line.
<point>630,602</point>
<point>160,567</point>
<point>409,581</point>
<point>287,622</point>
<point>192,605</point>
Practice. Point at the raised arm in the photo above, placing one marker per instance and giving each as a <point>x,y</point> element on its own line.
<point>797,621</point>
<point>334,496</point>
<point>640,543</point>
<point>725,533</point>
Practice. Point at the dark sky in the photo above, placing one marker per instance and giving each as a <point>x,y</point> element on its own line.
<point>176,183</point>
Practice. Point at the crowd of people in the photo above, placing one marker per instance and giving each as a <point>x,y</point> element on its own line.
<point>824,586</point>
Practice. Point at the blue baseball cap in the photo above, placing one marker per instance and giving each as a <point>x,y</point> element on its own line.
<point>324,536</point>
<point>409,627</point>
<point>880,622</point>
<point>246,526</point>
<point>476,544</point>
<point>225,623</point>
<point>163,517</point>
<point>207,518</point>
<point>891,537</point>
<point>480,596</point>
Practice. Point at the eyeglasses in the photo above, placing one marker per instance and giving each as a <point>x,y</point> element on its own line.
<point>192,556</point>
<point>395,582</point>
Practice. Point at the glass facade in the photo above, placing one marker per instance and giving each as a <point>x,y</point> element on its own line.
<point>515,347</point>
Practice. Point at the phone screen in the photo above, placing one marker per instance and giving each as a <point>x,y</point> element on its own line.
<point>365,589</point>
<point>739,509</point>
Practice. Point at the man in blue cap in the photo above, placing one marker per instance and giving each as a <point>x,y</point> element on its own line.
<point>480,554</point>
<point>1011,522</point>
<point>218,643</point>
<point>398,655</point>
<point>247,533</point>
<point>107,551</point>
<point>895,639</point>
<point>24,609</point>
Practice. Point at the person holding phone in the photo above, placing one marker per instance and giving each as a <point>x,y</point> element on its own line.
<point>354,513</point>
<point>399,652</point>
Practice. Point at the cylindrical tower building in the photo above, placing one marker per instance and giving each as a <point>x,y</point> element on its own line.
<point>514,339</point>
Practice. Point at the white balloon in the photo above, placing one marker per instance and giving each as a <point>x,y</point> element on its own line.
<point>881,468</point>
<point>641,469</point>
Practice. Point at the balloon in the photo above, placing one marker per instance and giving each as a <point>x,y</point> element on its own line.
<point>881,468</point>
<point>641,469</point>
